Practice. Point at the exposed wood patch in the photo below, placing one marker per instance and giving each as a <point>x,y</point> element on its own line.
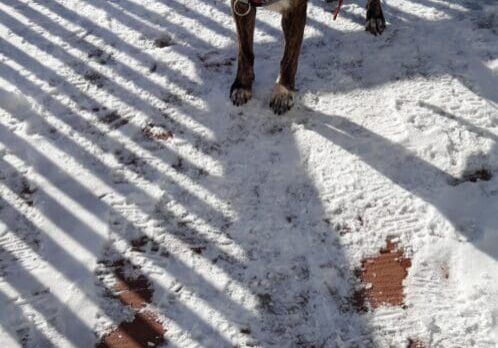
<point>144,331</point>
<point>383,277</point>
<point>133,290</point>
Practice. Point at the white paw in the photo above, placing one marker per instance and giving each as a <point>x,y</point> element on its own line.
<point>375,25</point>
<point>282,99</point>
<point>240,96</point>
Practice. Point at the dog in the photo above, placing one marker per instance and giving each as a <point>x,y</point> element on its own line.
<point>293,23</point>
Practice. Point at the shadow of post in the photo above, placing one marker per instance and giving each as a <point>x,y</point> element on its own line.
<point>461,206</point>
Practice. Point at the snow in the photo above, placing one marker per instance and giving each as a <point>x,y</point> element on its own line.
<point>260,220</point>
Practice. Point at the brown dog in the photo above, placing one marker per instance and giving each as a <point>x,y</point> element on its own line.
<point>293,22</point>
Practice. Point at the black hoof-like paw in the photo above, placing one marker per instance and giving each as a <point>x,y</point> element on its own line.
<point>375,23</point>
<point>240,96</point>
<point>240,93</point>
<point>282,99</point>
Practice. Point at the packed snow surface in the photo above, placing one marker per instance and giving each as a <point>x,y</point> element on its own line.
<point>115,125</point>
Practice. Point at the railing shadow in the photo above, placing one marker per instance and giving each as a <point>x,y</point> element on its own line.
<point>78,230</point>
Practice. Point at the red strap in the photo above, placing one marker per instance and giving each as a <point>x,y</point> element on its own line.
<point>337,9</point>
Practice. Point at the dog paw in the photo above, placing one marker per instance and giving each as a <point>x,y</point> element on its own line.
<point>239,96</point>
<point>375,24</point>
<point>282,99</point>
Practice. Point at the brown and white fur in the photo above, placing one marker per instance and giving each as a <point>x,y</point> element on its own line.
<point>293,23</point>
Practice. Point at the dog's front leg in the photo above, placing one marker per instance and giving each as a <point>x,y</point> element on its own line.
<point>293,22</point>
<point>375,22</point>
<point>241,90</point>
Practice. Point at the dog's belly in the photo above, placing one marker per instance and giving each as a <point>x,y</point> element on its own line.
<point>279,6</point>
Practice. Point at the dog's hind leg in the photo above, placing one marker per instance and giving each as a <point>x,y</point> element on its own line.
<point>293,23</point>
<point>241,90</point>
<point>375,22</point>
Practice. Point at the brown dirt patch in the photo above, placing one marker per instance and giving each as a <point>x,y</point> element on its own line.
<point>163,41</point>
<point>383,277</point>
<point>482,174</point>
<point>445,271</point>
<point>219,64</point>
<point>114,119</point>
<point>157,135</point>
<point>27,192</point>
<point>415,344</point>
